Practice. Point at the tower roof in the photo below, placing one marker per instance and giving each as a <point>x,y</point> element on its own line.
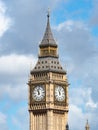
<point>48,64</point>
<point>48,59</point>
<point>48,39</point>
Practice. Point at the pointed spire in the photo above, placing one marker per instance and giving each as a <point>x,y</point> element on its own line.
<point>67,127</point>
<point>48,39</point>
<point>87,126</point>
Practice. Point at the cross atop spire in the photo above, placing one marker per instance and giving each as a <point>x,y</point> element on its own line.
<point>48,39</point>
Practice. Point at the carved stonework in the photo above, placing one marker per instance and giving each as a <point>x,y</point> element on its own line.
<point>48,88</point>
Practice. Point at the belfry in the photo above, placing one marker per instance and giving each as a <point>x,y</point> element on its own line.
<point>48,87</point>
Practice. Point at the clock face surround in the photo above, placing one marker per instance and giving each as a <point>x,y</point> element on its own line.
<point>38,93</point>
<point>59,93</point>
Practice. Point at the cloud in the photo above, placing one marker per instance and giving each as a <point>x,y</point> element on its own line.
<point>14,64</point>
<point>14,73</point>
<point>81,108</point>
<point>28,26</point>
<point>15,93</point>
<point>20,117</point>
<point>90,103</point>
<point>94,13</point>
<point>3,121</point>
<point>82,97</point>
<point>5,21</point>
<point>79,52</point>
<point>70,25</point>
<point>2,118</point>
<point>76,40</point>
<point>76,115</point>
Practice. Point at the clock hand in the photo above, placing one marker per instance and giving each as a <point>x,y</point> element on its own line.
<point>59,92</point>
<point>38,92</point>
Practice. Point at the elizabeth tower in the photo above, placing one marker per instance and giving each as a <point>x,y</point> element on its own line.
<point>48,88</point>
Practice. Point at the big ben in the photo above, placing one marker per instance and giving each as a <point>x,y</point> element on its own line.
<point>48,87</point>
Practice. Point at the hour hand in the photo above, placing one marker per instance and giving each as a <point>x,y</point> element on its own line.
<point>59,92</point>
<point>38,92</point>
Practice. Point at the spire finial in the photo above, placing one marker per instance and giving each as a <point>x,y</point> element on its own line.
<point>67,126</point>
<point>87,125</point>
<point>48,13</point>
<point>48,39</point>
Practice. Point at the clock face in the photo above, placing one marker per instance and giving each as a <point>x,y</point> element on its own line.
<point>59,93</point>
<point>38,93</point>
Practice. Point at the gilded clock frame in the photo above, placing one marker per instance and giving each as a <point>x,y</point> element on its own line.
<point>55,100</point>
<point>32,100</point>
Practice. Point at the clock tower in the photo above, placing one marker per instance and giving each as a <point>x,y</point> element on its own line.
<point>48,88</point>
